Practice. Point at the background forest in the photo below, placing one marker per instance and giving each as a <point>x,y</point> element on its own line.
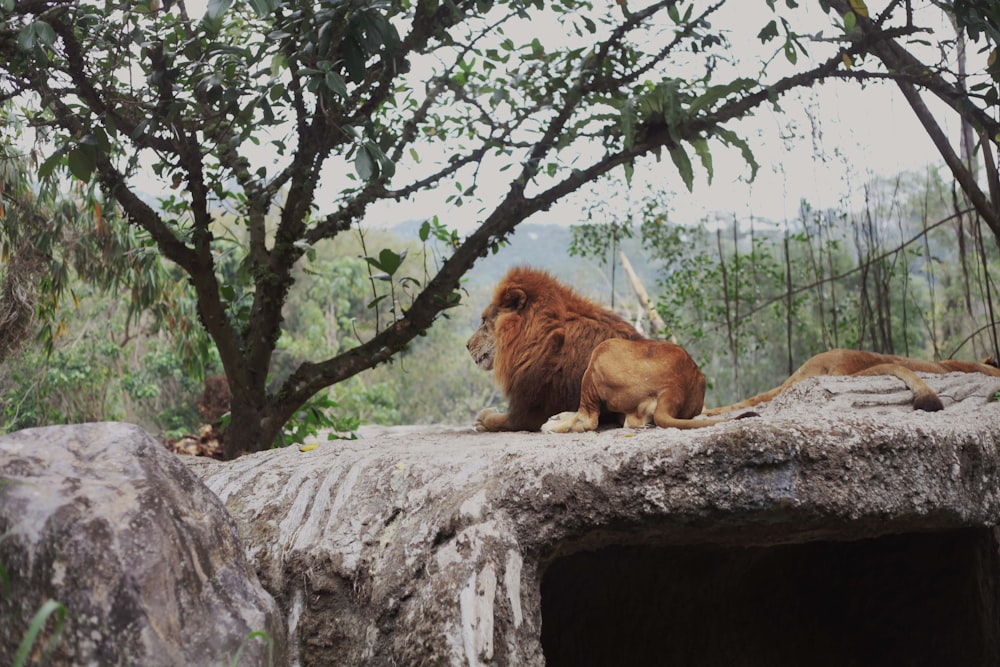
<point>751,299</point>
<point>908,274</point>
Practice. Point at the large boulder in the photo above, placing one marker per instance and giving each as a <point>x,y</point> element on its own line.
<point>840,527</point>
<point>144,558</point>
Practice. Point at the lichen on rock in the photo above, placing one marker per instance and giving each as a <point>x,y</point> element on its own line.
<point>146,561</point>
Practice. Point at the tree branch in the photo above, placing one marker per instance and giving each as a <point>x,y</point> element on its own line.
<point>909,72</point>
<point>965,178</point>
<point>901,62</point>
<point>515,207</point>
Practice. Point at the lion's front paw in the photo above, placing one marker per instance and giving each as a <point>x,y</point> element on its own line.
<point>483,419</point>
<point>560,423</point>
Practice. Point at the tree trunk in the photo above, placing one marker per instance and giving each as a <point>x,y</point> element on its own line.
<point>645,303</point>
<point>249,429</point>
<point>730,326</point>
<point>788,306</point>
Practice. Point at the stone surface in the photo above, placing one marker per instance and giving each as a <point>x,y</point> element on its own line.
<point>840,521</point>
<point>148,564</point>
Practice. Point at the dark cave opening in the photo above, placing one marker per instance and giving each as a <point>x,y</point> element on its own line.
<point>910,599</point>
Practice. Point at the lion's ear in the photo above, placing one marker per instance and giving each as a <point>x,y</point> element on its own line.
<point>514,299</point>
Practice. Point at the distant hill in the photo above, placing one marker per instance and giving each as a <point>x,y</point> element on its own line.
<point>547,247</point>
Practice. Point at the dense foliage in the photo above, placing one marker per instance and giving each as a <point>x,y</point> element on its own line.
<point>102,367</point>
<point>753,299</point>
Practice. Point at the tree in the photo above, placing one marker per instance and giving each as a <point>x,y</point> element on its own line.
<point>263,108</point>
<point>974,104</point>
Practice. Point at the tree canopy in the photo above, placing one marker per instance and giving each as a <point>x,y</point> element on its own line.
<point>275,125</point>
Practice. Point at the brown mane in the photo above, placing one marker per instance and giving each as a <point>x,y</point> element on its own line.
<point>537,336</point>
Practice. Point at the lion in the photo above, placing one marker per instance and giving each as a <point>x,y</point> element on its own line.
<point>647,381</point>
<point>858,362</point>
<point>537,335</point>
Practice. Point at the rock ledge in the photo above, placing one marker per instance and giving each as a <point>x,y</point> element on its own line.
<point>840,513</point>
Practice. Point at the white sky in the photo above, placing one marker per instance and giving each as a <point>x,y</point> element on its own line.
<point>873,129</point>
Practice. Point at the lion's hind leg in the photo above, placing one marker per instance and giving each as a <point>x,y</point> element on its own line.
<point>560,423</point>
<point>642,416</point>
<point>571,422</point>
<point>586,418</point>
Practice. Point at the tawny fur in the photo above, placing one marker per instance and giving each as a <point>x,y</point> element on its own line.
<point>649,382</point>
<point>858,362</point>
<point>537,335</point>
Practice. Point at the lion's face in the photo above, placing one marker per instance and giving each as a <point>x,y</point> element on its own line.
<point>483,344</point>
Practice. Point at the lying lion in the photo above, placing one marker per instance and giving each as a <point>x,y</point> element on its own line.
<point>553,351</point>
<point>647,381</point>
<point>857,362</point>
<point>536,335</point>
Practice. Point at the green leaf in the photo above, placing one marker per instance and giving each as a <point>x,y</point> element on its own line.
<point>390,261</point>
<point>850,20</point>
<point>336,83</point>
<point>386,167</point>
<point>276,92</point>
<point>768,32</point>
<point>51,162</point>
<point>217,8</point>
<point>82,161</point>
<point>44,33</point>
<point>37,623</point>
<point>790,52</point>
<point>683,164</point>
<point>629,171</point>
<point>700,146</point>
<point>261,7</point>
<point>26,37</point>
<point>278,62</point>
<point>732,139</point>
<point>628,121</point>
<point>715,93</point>
<point>365,164</point>
<point>354,59</point>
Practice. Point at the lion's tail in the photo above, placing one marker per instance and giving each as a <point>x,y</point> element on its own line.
<point>747,403</point>
<point>665,421</point>
<point>924,397</point>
